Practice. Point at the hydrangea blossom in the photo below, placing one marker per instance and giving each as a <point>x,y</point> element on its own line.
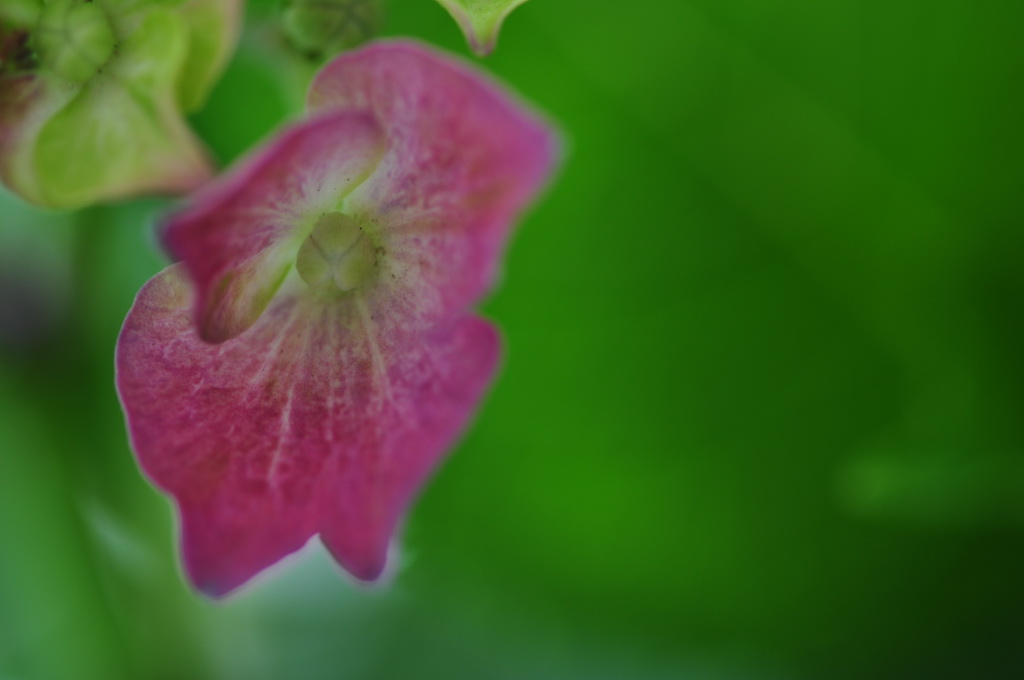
<point>92,94</point>
<point>480,20</point>
<point>312,356</point>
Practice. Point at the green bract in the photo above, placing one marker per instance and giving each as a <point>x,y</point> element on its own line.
<point>480,20</point>
<point>92,95</point>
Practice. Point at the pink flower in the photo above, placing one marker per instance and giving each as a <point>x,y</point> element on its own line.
<point>312,357</point>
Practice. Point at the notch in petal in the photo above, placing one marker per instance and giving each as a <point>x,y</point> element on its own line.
<point>239,239</point>
<point>314,421</point>
<point>480,20</point>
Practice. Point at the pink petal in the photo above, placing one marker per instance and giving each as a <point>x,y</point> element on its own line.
<point>238,238</point>
<point>464,159</point>
<point>313,421</point>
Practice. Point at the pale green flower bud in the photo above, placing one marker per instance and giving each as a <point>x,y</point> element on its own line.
<point>74,40</point>
<point>321,28</point>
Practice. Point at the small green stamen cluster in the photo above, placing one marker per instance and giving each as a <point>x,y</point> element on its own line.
<point>338,256</point>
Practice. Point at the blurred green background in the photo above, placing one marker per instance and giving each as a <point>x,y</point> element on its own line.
<point>762,412</point>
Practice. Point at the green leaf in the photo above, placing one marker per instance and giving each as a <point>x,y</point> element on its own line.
<point>480,20</point>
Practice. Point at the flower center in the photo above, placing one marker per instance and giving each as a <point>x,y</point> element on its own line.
<point>338,256</point>
<point>74,39</point>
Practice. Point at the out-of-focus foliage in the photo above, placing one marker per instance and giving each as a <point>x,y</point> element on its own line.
<point>761,413</point>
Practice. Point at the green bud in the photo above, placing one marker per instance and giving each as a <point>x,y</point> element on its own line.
<point>321,28</point>
<point>74,39</point>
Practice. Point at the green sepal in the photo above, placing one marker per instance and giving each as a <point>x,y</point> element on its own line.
<point>480,20</point>
<point>213,30</point>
